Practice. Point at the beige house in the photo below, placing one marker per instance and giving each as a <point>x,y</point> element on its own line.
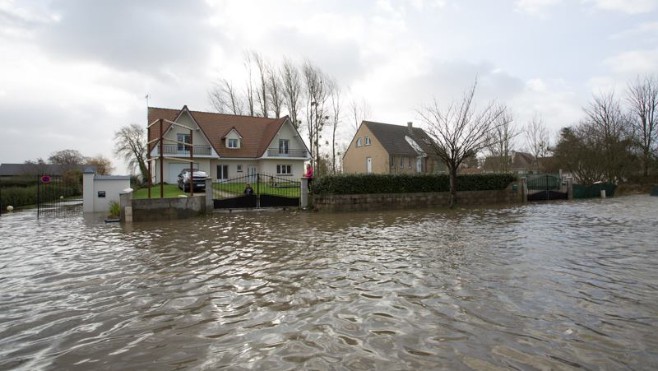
<point>224,146</point>
<point>380,148</point>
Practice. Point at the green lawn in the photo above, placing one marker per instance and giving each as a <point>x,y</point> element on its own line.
<point>170,191</point>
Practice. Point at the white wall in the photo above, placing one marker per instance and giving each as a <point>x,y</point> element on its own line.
<point>99,190</point>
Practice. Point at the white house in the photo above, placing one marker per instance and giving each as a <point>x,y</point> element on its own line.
<point>224,146</point>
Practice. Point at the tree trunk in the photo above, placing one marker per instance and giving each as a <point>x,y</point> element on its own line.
<point>453,186</point>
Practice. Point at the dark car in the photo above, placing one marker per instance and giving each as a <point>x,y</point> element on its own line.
<point>195,177</point>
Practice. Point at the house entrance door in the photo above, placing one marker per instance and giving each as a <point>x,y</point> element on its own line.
<point>369,165</point>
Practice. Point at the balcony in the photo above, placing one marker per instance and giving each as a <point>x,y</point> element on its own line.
<point>275,152</point>
<point>173,150</point>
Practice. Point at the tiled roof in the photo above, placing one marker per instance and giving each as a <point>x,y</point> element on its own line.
<point>392,138</point>
<point>257,132</point>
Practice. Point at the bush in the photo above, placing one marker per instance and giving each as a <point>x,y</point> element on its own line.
<point>27,196</point>
<point>405,183</point>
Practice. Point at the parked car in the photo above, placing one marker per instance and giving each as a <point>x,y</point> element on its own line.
<point>195,177</point>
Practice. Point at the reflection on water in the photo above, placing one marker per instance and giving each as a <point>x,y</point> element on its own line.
<point>549,286</point>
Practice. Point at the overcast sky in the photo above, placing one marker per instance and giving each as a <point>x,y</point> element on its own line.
<point>73,72</point>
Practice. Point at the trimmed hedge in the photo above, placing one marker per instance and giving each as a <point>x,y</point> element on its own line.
<point>383,183</point>
<point>27,196</point>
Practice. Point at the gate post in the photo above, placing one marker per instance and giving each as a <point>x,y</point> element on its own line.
<point>524,190</point>
<point>303,200</point>
<point>210,205</point>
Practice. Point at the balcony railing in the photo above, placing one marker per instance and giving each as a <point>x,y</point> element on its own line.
<point>275,152</point>
<point>173,150</point>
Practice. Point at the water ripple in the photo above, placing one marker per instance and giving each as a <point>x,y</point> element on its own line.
<point>550,286</point>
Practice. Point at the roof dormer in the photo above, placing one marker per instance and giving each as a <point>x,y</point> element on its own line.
<point>232,139</point>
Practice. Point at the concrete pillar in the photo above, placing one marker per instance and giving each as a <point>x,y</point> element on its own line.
<point>210,204</point>
<point>126,204</point>
<point>88,191</point>
<point>303,201</point>
<point>524,190</point>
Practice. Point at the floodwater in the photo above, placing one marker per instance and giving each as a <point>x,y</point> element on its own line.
<point>565,285</point>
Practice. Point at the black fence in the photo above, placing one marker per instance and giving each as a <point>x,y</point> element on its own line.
<point>545,187</point>
<point>256,191</point>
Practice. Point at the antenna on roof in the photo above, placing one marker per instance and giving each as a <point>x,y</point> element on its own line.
<point>147,100</point>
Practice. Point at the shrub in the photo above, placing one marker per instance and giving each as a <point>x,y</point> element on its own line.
<point>115,209</point>
<point>405,183</point>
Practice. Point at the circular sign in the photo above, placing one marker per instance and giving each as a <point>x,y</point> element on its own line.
<point>45,179</point>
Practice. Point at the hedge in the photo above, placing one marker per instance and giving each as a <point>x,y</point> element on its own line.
<point>406,183</point>
<point>26,196</point>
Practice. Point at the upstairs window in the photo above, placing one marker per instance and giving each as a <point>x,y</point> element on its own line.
<point>183,141</point>
<point>232,143</point>
<point>359,142</point>
<point>368,141</point>
<point>283,146</point>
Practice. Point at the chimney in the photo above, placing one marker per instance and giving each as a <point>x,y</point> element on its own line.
<point>410,126</point>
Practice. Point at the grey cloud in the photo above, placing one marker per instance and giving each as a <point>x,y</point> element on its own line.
<point>143,36</point>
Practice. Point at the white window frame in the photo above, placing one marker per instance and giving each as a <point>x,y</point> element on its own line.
<point>368,142</point>
<point>359,142</point>
<point>282,169</point>
<point>230,141</point>
<point>185,138</point>
<point>284,146</point>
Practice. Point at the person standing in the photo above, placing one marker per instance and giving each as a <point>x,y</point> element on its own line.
<point>309,175</point>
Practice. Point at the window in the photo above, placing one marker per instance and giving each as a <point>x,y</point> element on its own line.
<point>359,142</point>
<point>239,168</point>
<point>283,146</point>
<point>409,162</point>
<point>368,141</point>
<point>401,162</point>
<point>182,139</point>
<point>232,143</point>
<point>283,170</point>
<point>222,172</point>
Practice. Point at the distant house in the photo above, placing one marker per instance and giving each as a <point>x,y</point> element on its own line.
<point>224,146</point>
<point>517,163</point>
<point>390,149</point>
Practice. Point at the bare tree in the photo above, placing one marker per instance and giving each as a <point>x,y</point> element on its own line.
<point>275,92</point>
<point>500,141</point>
<point>316,94</point>
<point>292,90</point>
<point>359,111</point>
<point>335,107</point>
<point>251,94</point>
<point>102,164</point>
<point>130,144</point>
<point>537,139</point>
<point>225,99</point>
<point>611,128</point>
<point>261,93</point>
<point>643,100</point>
<point>459,131</point>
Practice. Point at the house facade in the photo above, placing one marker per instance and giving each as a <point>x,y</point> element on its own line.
<point>379,148</point>
<point>224,146</point>
<point>517,163</point>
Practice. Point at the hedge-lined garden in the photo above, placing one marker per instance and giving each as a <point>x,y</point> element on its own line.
<point>382,183</point>
<point>22,191</point>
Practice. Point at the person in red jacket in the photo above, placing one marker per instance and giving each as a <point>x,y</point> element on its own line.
<point>309,175</point>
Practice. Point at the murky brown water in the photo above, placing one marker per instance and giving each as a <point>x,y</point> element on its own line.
<point>552,286</point>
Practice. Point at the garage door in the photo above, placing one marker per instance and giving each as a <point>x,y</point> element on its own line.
<point>175,169</point>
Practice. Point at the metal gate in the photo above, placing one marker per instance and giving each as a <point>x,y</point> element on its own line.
<point>57,198</point>
<point>543,187</point>
<point>267,191</point>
